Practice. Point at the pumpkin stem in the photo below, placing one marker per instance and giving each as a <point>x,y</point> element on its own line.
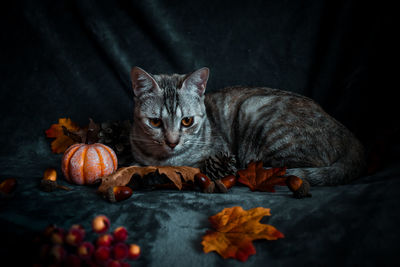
<point>92,132</point>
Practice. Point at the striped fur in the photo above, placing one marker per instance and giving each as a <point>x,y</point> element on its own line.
<point>278,127</point>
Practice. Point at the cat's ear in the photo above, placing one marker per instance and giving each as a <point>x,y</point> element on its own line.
<point>142,82</point>
<point>197,81</point>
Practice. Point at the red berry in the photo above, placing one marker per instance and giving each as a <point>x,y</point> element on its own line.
<point>72,260</point>
<point>104,240</point>
<point>120,251</point>
<point>57,236</point>
<point>44,251</point>
<point>85,250</point>
<point>77,226</point>
<point>102,254</point>
<point>49,230</point>
<point>114,263</point>
<point>74,237</point>
<point>90,263</point>
<point>100,224</point>
<point>125,264</point>
<point>57,253</point>
<point>120,234</point>
<point>133,251</point>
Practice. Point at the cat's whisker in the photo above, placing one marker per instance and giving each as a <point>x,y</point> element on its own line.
<point>195,142</point>
<point>152,146</point>
<point>200,144</point>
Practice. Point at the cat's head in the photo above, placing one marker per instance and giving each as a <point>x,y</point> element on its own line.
<point>169,110</point>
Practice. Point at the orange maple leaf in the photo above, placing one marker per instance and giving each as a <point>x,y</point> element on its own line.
<point>259,179</point>
<point>235,229</point>
<point>62,142</point>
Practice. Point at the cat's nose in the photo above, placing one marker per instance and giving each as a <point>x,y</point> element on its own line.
<point>172,145</point>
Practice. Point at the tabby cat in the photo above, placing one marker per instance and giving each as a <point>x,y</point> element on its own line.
<point>176,123</point>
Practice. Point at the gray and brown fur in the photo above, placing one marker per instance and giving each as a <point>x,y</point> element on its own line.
<point>278,127</point>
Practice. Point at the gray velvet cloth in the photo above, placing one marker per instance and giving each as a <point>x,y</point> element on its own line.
<point>352,225</point>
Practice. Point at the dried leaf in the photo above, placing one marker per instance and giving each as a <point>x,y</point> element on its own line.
<point>62,142</point>
<point>235,229</point>
<point>259,179</point>
<point>68,133</point>
<point>78,136</point>
<point>123,175</point>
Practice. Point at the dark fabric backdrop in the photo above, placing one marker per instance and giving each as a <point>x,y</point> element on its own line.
<point>58,55</point>
<point>72,59</point>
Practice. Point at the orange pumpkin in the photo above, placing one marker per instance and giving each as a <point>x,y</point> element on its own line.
<point>84,163</point>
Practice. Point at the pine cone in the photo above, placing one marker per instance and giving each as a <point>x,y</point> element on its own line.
<point>219,166</point>
<point>115,134</point>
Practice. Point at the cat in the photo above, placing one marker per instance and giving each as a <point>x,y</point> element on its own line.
<point>176,123</point>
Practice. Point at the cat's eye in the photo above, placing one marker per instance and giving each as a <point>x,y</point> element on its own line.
<point>187,121</point>
<point>155,122</point>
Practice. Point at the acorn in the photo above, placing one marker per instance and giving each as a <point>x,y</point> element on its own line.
<point>220,186</point>
<point>7,188</point>
<point>49,181</point>
<point>8,185</point>
<point>229,181</point>
<point>205,183</point>
<point>50,174</point>
<point>118,193</point>
<point>225,183</point>
<point>299,187</point>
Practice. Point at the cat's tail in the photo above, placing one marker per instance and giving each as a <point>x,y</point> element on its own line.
<point>347,168</point>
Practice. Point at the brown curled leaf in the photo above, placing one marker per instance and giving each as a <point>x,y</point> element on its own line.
<point>123,175</point>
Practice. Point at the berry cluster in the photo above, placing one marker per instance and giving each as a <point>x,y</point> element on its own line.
<point>59,247</point>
